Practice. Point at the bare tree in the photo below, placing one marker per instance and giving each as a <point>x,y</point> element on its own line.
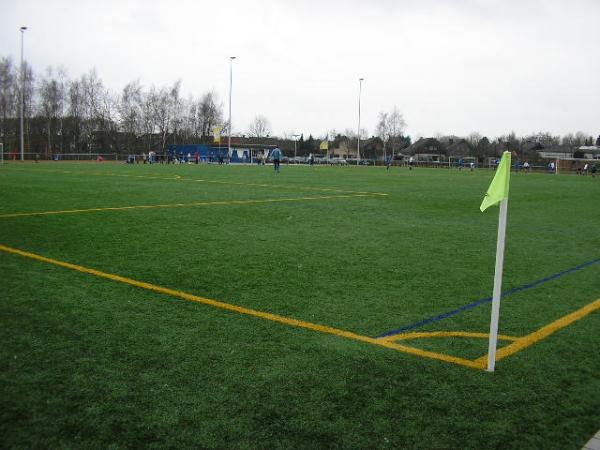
<point>211,113</point>
<point>350,133</point>
<point>51,99</point>
<point>92,91</point>
<point>544,138</point>
<point>147,123</point>
<point>226,128</point>
<point>28,100</point>
<point>93,110</point>
<point>161,114</point>
<point>176,111</point>
<point>99,113</point>
<point>474,138</point>
<point>8,95</point>
<point>191,120</point>
<point>390,128</point>
<point>166,111</point>
<point>130,111</point>
<point>582,139</point>
<point>396,126</point>
<point>85,115</point>
<point>260,127</point>
<point>62,86</point>
<point>76,113</point>
<point>383,131</point>
<point>509,141</point>
<point>568,139</point>
<point>288,135</point>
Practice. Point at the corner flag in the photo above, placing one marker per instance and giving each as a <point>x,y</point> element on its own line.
<point>498,193</point>
<point>499,187</point>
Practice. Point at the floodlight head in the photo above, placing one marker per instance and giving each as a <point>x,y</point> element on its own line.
<point>361,79</point>
<point>23,28</point>
<point>232,57</point>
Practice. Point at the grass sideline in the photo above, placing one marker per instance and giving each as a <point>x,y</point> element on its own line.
<point>91,363</point>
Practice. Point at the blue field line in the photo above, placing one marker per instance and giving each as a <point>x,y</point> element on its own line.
<point>487,300</point>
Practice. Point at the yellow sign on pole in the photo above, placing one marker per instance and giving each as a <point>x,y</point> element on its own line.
<point>217,134</point>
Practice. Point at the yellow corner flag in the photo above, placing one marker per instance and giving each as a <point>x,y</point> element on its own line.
<point>498,189</point>
<point>324,145</point>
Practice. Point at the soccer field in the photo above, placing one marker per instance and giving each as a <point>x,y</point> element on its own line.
<point>187,306</point>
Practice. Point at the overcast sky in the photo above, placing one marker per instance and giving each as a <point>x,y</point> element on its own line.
<point>451,66</point>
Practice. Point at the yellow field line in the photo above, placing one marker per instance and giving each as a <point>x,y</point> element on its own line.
<point>246,311</point>
<point>200,180</point>
<point>182,205</point>
<point>542,333</point>
<point>444,334</point>
<point>308,188</point>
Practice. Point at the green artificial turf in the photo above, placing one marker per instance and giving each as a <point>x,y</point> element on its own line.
<point>93,363</point>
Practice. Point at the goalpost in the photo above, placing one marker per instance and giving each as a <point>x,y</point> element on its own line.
<point>455,161</point>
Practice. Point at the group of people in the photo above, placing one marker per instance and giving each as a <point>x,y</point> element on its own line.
<point>461,164</point>
<point>277,156</point>
<point>261,159</point>
<point>390,159</point>
<point>588,168</point>
<point>150,158</point>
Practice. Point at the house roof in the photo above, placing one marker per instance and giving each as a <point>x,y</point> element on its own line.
<point>459,148</point>
<point>590,148</point>
<point>423,145</point>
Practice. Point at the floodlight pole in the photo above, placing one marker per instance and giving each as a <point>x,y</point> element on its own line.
<point>295,136</point>
<point>231,58</point>
<point>360,80</point>
<point>22,102</point>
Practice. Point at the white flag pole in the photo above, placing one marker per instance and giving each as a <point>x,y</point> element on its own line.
<point>497,285</point>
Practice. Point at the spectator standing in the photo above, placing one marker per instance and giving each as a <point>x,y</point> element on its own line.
<point>276,156</point>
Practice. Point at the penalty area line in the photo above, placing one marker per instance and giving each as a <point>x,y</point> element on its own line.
<point>184,205</point>
<point>542,333</point>
<point>200,180</point>
<point>247,311</point>
<point>483,301</point>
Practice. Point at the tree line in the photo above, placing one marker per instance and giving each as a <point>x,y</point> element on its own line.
<point>81,115</point>
<point>63,115</point>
